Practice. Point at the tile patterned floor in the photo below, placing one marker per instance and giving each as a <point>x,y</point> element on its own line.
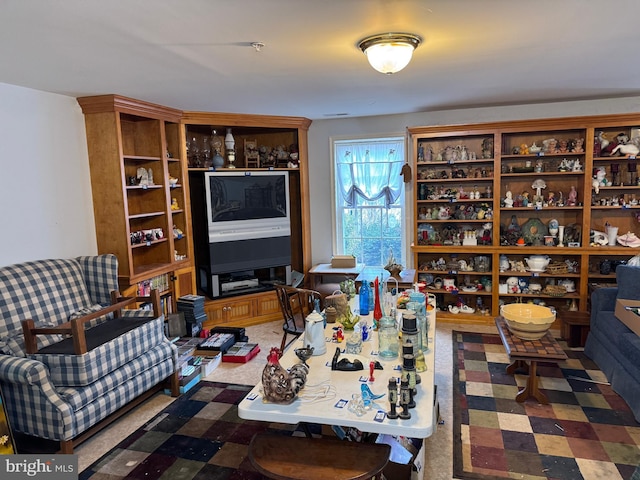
<point>586,430</point>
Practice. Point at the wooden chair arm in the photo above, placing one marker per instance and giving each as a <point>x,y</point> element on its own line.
<point>74,327</point>
<point>154,298</point>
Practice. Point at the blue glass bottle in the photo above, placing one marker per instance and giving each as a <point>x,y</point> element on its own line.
<point>364,298</point>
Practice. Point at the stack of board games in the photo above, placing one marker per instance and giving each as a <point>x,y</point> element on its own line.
<point>189,365</point>
<point>192,306</point>
<point>241,352</point>
<point>217,342</point>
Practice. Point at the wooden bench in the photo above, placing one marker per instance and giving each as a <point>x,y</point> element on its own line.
<point>284,457</point>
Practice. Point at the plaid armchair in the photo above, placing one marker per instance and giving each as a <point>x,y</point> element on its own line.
<point>84,357</point>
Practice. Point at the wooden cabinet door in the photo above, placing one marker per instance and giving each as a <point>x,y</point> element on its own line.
<point>229,311</point>
<point>267,305</point>
<point>183,282</point>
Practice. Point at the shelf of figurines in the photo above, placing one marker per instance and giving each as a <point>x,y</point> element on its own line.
<point>573,144</point>
<point>455,171</point>
<point>523,165</point>
<point>450,150</point>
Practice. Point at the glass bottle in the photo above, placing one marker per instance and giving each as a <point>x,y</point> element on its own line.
<point>364,298</point>
<point>388,341</point>
<point>421,321</point>
<point>377,309</point>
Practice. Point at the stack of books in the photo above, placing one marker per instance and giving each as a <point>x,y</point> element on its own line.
<point>193,308</point>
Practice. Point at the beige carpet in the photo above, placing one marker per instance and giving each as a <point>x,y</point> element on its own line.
<point>439,447</point>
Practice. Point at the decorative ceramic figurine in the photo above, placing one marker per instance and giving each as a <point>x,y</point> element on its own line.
<point>538,184</point>
<point>628,149</point>
<point>600,179</point>
<point>280,385</point>
<point>392,266</point>
<point>549,145</point>
<point>487,148</point>
<point>508,201</point>
<point>143,177</point>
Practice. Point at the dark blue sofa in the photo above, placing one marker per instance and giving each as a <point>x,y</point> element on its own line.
<point>611,344</point>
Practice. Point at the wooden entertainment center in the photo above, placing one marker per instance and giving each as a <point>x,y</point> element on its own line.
<point>124,136</point>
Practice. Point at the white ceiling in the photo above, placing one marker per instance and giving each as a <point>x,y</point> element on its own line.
<point>196,54</point>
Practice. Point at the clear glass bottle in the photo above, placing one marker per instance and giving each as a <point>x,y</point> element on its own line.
<point>420,311</point>
<point>388,338</point>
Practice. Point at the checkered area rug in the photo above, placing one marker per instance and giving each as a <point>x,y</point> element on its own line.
<point>585,432</point>
<point>197,437</point>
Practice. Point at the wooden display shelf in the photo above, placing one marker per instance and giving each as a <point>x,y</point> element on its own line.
<point>497,141</point>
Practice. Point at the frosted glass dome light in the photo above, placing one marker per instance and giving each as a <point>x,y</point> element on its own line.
<point>389,52</point>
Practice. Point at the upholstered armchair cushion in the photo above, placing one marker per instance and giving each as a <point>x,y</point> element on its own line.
<point>47,291</point>
<point>114,344</point>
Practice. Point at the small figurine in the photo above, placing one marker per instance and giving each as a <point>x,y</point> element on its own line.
<point>174,204</point>
<point>549,145</point>
<point>599,179</point>
<point>487,148</point>
<point>551,199</point>
<point>628,149</point>
<point>524,149</point>
<point>393,398</point>
<point>428,153</point>
<point>508,201</point>
<point>563,146</point>
<point>577,166</point>
<point>578,146</point>
<point>539,184</point>
<point>143,177</point>
<point>534,148</point>
<point>572,200</point>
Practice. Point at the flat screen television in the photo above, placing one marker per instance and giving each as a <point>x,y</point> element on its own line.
<point>247,205</point>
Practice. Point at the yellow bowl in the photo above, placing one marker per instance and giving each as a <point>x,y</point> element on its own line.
<point>528,321</point>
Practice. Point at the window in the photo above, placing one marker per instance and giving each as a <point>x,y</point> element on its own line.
<point>369,199</point>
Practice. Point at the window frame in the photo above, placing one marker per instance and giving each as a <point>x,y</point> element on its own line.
<point>405,256</point>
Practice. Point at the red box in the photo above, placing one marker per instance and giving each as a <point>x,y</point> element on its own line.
<point>241,352</point>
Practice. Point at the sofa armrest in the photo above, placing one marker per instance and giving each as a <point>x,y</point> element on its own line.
<point>74,328</point>
<point>22,370</point>
<point>603,299</point>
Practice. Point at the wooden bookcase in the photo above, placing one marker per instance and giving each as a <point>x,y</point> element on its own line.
<point>125,136</point>
<point>463,173</point>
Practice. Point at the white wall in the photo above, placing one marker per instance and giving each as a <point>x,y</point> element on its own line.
<point>321,131</point>
<point>45,193</point>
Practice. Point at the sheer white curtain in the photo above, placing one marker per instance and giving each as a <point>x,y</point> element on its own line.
<point>371,171</point>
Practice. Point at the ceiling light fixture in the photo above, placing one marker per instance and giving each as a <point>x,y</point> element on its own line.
<point>389,52</point>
